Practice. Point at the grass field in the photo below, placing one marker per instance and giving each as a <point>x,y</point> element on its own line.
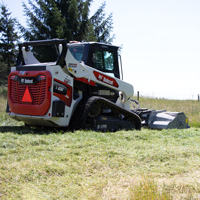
<point>146,164</point>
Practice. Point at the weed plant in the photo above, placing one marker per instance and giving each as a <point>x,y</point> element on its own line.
<point>148,189</point>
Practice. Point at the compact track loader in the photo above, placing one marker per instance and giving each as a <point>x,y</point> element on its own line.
<point>82,89</point>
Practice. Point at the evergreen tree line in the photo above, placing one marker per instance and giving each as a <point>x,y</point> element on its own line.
<point>48,19</point>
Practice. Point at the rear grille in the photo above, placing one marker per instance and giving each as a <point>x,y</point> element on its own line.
<point>37,92</point>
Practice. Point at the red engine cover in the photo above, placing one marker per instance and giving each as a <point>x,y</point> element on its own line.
<point>29,92</point>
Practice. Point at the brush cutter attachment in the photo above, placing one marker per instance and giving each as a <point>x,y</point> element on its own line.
<point>161,119</point>
<point>167,120</point>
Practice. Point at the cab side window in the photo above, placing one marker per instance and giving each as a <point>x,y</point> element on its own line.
<point>77,52</point>
<point>103,60</point>
<point>97,60</point>
<point>108,60</point>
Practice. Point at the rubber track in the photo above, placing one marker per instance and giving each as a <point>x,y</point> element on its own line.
<point>81,119</point>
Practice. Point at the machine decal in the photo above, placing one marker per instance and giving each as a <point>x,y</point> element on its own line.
<point>72,65</point>
<point>101,126</point>
<point>63,91</point>
<point>106,79</point>
<point>67,81</point>
<point>59,88</point>
<point>105,92</point>
<point>27,81</point>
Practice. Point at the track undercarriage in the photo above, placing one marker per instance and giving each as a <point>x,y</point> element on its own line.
<point>99,114</point>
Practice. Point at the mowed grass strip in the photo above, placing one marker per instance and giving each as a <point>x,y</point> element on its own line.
<point>50,164</point>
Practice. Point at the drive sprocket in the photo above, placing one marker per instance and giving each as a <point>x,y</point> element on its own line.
<point>94,111</point>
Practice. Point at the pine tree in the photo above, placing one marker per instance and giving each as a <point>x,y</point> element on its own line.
<point>100,27</point>
<point>49,19</point>
<point>8,38</point>
<point>66,19</point>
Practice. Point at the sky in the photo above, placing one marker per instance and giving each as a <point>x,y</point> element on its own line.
<point>161,44</point>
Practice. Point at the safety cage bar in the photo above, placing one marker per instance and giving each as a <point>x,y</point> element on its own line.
<point>61,58</point>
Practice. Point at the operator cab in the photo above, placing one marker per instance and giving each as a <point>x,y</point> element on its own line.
<point>97,55</point>
<point>101,57</point>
